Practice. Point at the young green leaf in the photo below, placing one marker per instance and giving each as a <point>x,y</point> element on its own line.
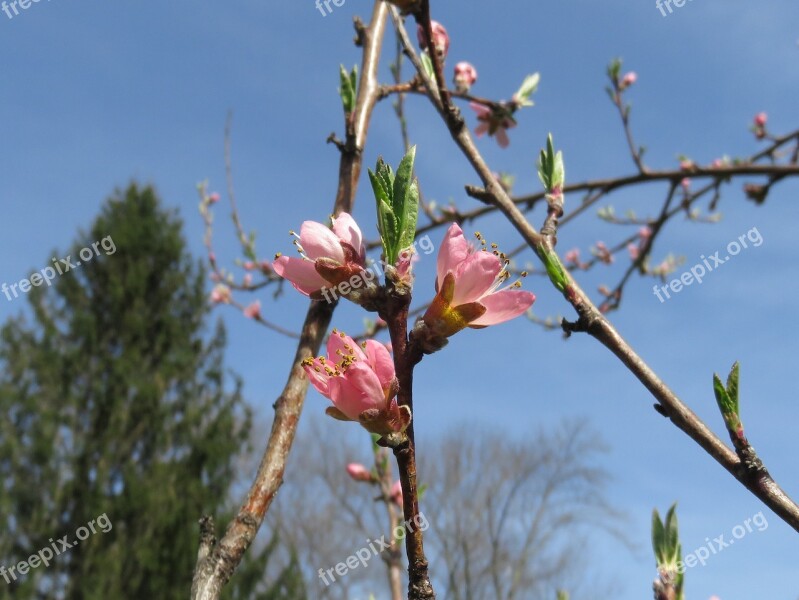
<point>406,201</point>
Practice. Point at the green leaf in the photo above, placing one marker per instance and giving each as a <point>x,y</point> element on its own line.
<point>732,386</point>
<point>427,63</point>
<point>527,89</point>
<point>347,89</point>
<point>406,201</point>
<point>658,536</point>
<point>381,179</point>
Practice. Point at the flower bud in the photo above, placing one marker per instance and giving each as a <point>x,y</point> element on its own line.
<point>358,472</point>
<point>465,76</point>
<point>440,38</point>
<point>629,79</point>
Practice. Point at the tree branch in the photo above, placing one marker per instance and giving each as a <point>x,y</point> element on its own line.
<point>215,569</point>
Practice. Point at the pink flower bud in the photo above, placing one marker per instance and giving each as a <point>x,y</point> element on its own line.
<point>629,79</point>
<point>572,256</point>
<point>440,38</point>
<point>634,251</point>
<point>247,280</point>
<point>465,76</point>
<point>686,184</point>
<point>253,311</point>
<point>358,472</point>
<point>396,493</point>
<point>760,119</point>
<point>249,265</point>
<point>213,198</point>
<point>645,233</point>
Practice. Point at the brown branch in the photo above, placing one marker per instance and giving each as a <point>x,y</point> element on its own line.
<point>215,570</point>
<point>592,321</point>
<point>406,356</point>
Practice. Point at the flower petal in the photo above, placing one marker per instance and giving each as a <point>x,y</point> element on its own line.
<point>339,344</point>
<point>453,251</point>
<point>379,359</point>
<point>318,376</point>
<point>356,391</point>
<point>319,242</point>
<point>301,273</point>
<point>475,276</point>
<point>502,137</point>
<point>504,305</point>
<point>345,227</point>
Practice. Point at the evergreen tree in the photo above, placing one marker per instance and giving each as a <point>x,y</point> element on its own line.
<point>119,415</point>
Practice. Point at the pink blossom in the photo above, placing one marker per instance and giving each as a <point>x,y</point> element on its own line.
<point>253,311</point>
<point>468,288</point>
<point>760,119</point>
<point>213,198</point>
<point>248,265</point>
<point>440,37</point>
<point>220,294</point>
<point>360,382</point>
<point>327,257</point>
<point>628,79</point>
<point>645,233</point>
<point>247,280</point>
<point>396,493</point>
<point>465,76</point>
<point>495,122</point>
<point>358,472</point>
<point>572,257</point>
<point>603,253</point>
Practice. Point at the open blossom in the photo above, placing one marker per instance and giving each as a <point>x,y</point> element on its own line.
<point>327,257</point>
<point>440,37</point>
<point>468,288</point>
<point>360,382</point>
<point>465,76</point>
<point>396,493</point>
<point>358,472</point>
<point>220,294</point>
<point>495,122</point>
<point>253,311</point>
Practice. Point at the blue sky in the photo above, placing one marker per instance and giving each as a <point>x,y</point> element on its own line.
<point>94,95</point>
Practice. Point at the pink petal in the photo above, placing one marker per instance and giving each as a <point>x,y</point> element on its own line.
<point>453,251</point>
<point>481,129</point>
<point>319,242</point>
<point>504,305</point>
<point>502,138</point>
<point>356,391</point>
<point>380,360</point>
<point>475,276</point>
<point>301,273</point>
<point>481,109</point>
<point>340,342</point>
<point>319,379</point>
<point>345,227</point>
